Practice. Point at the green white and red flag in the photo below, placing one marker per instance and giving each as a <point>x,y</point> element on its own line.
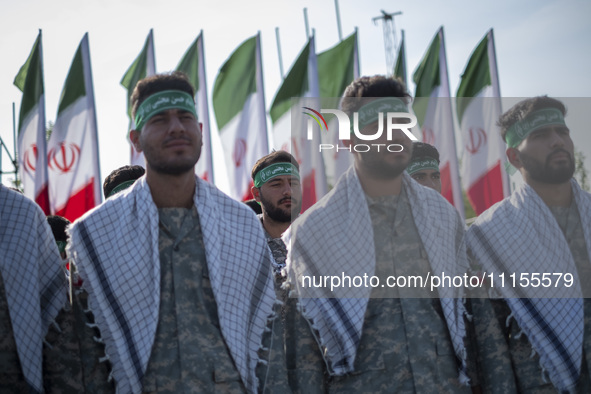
<point>143,66</point>
<point>479,107</point>
<point>239,106</point>
<point>193,64</point>
<point>32,154</point>
<point>432,106</point>
<point>290,124</point>
<point>73,153</point>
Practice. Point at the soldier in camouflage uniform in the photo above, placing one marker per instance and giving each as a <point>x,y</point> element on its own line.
<point>558,213</point>
<point>73,349</point>
<point>32,291</point>
<point>214,290</point>
<point>280,197</point>
<point>406,343</point>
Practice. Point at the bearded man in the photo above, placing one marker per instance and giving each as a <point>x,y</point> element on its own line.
<point>542,232</point>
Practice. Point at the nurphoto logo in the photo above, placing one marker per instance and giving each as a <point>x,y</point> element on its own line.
<point>386,122</point>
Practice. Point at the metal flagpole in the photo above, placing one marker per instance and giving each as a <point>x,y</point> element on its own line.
<point>279,53</point>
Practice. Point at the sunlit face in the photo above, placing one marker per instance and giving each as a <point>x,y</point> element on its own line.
<point>171,142</point>
<point>281,198</point>
<point>547,155</point>
<point>379,162</point>
<point>428,178</point>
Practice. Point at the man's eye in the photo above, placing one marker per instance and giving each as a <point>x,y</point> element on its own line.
<point>156,119</point>
<point>436,176</point>
<point>418,178</point>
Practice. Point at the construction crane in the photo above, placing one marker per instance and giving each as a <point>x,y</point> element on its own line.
<point>390,41</point>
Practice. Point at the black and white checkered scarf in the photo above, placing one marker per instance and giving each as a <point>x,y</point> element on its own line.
<point>336,235</point>
<point>35,284</point>
<point>115,247</point>
<point>520,234</point>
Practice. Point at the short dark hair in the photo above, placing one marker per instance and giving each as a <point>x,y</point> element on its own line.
<point>277,156</point>
<point>146,87</point>
<point>254,205</point>
<point>375,86</point>
<point>120,175</point>
<point>524,108</point>
<point>422,150</point>
<point>58,226</point>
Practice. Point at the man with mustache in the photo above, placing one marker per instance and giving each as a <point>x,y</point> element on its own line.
<point>539,232</point>
<point>178,274</point>
<point>278,190</point>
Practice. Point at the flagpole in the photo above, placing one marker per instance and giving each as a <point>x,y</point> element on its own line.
<point>456,192</point>
<point>306,23</point>
<point>279,53</point>
<point>261,84</point>
<point>336,6</point>
<point>15,160</point>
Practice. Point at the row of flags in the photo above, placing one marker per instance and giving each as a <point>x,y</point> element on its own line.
<point>63,175</point>
<point>478,107</point>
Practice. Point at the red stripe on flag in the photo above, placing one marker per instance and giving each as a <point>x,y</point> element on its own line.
<point>308,190</point>
<point>248,195</point>
<point>42,199</point>
<point>79,203</point>
<point>487,190</point>
<point>446,187</point>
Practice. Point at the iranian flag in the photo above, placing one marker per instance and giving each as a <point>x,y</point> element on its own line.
<point>73,156</point>
<point>479,108</point>
<point>290,124</point>
<point>432,107</point>
<point>143,66</point>
<point>337,68</point>
<point>239,107</point>
<point>32,155</point>
<point>193,64</point>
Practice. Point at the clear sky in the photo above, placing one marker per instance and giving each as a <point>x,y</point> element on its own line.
<point>542,46</point>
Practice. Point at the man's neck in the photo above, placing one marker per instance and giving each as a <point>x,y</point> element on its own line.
<point>273,228</point>
<point>377,187</point>
<point>171,191</point>
<point>553,195</point>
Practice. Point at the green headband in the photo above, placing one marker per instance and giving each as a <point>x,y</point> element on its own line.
<point>422,164</point>
<point>61,245</point>
<point>275,170</point>
<point>536,120</point>
<point>120,187</point>
<point>162,101</point>
<point>369,113</point>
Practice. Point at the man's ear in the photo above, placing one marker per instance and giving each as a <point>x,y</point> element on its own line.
<point>256,193</point>
<point>513,156</point>
<point>134,136</point>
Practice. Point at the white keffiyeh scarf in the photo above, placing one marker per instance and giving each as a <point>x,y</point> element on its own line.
<point>520,235</point>
<point>115,247</point>
<point>336,235</point>
<point>35,284</point>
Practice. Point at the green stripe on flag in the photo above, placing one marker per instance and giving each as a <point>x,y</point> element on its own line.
<point>137,71</point>
<point>295,84</point>
<point>74,87</point>
<point>476,76</point>
<point>30,81</point>
<point>189,64</point>
<point>336,67</point>
<point>235,82</point>
<point>426,78</point>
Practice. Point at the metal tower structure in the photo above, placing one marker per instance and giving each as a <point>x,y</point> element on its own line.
<point>390,41</point>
